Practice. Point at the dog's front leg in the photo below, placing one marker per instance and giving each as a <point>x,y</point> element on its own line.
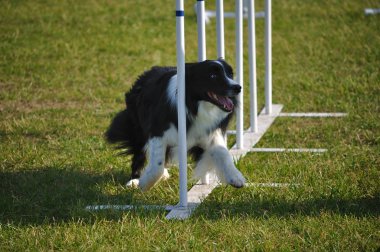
<point>225,167</point>
<point>223,162</point>
<point>155,170</point>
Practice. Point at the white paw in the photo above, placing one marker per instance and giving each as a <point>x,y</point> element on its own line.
<point>147,181</point>
<point>235,178</point>
<point>134,183</point>
<point>150,178</point>
<point>166,175</point>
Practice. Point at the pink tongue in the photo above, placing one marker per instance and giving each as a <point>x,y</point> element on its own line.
<point>226,102</point>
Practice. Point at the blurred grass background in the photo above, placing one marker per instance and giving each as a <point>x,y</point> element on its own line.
<point>64,68</point>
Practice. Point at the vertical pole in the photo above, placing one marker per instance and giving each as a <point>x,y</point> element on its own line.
<point>239,72</point>
<point>268,57</point>
<point>252,66</point>
<point>182,146</point>
<point>201,23</point>
<point>220,28</point>
<point>220,34</point>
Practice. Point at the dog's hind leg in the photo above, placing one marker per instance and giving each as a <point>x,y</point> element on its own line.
<point>155,170</point>
<point>204,166</point>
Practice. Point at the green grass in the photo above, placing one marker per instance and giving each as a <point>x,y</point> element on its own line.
<point>64,68</point>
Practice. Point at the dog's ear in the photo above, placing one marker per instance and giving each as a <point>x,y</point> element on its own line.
<point>226,66</point>
<point>223,61</point>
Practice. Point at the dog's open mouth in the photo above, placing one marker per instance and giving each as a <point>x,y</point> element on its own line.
<point>223,102</point>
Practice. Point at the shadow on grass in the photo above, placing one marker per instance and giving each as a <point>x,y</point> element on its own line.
<point>50,194</point>
<point>286,208</point>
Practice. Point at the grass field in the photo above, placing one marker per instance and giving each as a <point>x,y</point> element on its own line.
<point>64,68</point>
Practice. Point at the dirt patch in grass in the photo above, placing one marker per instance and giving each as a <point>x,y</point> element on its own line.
<point>7,86</point>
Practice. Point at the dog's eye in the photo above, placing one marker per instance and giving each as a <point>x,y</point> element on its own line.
<point>213,76</point>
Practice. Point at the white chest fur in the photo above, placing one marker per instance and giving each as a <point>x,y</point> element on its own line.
<point>207,118</point>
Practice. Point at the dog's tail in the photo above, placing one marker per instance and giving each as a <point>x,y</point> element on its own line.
<point>122,132</point>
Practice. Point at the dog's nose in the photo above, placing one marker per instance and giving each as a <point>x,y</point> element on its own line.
<point>236,88</point>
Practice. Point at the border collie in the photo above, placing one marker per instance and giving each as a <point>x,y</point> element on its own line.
<point>148,125</point>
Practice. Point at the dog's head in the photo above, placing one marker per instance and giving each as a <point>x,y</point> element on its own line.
<point>212,81</point>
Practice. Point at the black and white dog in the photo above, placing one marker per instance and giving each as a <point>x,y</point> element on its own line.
<point>149,122</point>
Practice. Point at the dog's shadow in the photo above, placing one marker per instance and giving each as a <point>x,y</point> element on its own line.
<point>56,194</point>
<point>52,194</point>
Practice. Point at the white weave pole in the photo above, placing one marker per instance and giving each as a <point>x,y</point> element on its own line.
<point>201,30</point>
<point>252,66</point>
<point>239,72</point>
<point>369,11</point>
<point>220,28</point>
<point>182,146</point>
<point>268,57</point>
<point>201,27</point>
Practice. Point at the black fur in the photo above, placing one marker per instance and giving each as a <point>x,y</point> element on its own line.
<point>149,112</point>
